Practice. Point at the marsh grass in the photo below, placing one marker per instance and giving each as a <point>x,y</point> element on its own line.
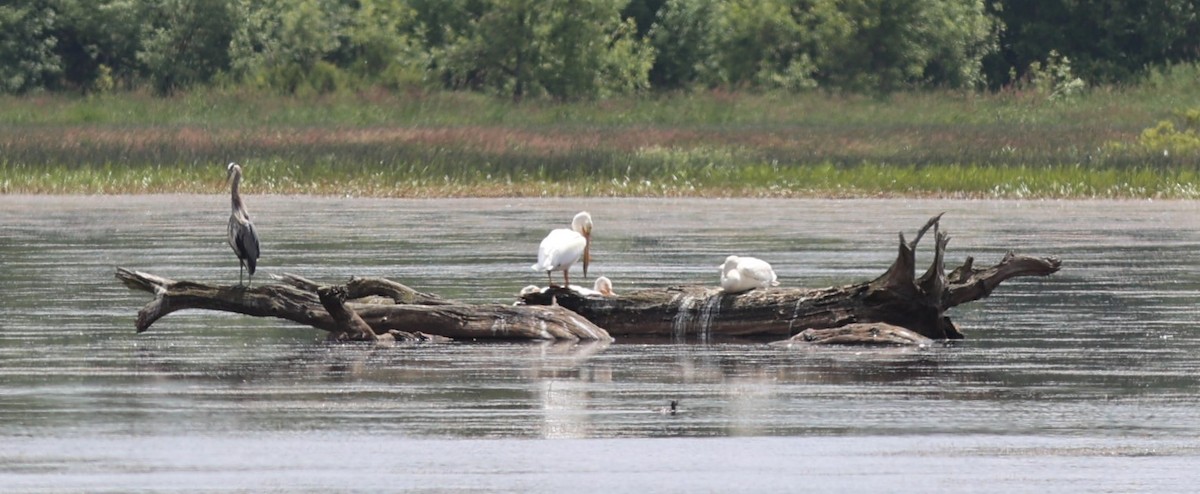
<point>1010,145</point>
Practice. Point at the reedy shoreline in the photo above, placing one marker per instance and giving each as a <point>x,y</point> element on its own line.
<point>716,144</point>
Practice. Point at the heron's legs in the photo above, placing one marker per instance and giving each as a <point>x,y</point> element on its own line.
<point>241,267</point>
<point>549,279</point>
<point>567,278</point>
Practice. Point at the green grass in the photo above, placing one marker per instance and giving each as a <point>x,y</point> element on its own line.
<point>824,180</point>
<point>1010,145</point>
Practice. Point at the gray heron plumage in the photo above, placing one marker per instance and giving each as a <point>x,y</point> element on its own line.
<point>242,236</point>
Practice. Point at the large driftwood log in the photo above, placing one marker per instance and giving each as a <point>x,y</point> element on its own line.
<point>305,302</point>
<point>897,298</point>
<point>895,308</point>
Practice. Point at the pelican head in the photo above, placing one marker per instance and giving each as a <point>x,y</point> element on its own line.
<point>730,263</point>
<point>582,223</point>
<point>604,286</point>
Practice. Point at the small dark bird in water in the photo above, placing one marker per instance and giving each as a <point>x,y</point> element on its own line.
<point>242,236</point>
<point>672,410</point>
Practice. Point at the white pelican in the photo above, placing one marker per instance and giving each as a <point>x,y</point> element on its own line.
<point>604,287</point>
<point>740,274</point>
<point>564,247</point>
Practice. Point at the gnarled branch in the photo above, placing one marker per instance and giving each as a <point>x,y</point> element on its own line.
<point>448,319</point>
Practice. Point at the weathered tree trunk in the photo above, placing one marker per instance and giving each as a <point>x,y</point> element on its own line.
<point>299,301</point>
<point>349,325</point>
<point>896,298</point>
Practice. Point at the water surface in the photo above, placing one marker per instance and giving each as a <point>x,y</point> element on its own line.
<point>1084,381</point>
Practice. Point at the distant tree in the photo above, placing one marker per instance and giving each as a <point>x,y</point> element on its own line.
<point>857,45</point>
<point>905,45</point>
<point>772,43</point>
<point>324,45</point>
<point>644,13</point>
<point>436,20</point>
<point>284,44</point>
<point>98,41</point>
<point>27,58</point>
<point>566,50</point>
<point>681,37</point>
<point>380,47</point>
<point>1107,41</point>
<point>570,49</point>
<point>961,34</point>
<point>186,42</point>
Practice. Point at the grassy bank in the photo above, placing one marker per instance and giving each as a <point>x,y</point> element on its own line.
<point>1015,145</point>
<point>867,180</point>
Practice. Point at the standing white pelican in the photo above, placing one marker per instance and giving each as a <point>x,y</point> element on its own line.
<point>564,247</point>
<point>740,274</point>
<point>242,236</point>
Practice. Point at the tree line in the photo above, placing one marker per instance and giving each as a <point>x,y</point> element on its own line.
<point>576,49</point>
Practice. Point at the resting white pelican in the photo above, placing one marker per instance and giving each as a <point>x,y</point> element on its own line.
<point>740,274</point>
<point>604,287</point>
<point>564,247</point>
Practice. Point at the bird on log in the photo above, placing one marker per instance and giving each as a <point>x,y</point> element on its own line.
<point>243,238</point>
<point>866,312</point>
<point>604,287</point>
<point>563,247</point>
<point>742,274</point>
<point>899,307</point>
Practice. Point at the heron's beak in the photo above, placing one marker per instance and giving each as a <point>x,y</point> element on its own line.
<point>587,250</point>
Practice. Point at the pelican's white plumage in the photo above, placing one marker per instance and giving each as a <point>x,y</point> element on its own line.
<point>740,274</point>
<point>604,287</point>
<point>563,247</point>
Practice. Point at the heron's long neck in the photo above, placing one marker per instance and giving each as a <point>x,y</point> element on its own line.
<point>237,198</point>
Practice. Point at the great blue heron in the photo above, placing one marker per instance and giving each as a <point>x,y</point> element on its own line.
<point>564,247</point>
<point>242,236</point>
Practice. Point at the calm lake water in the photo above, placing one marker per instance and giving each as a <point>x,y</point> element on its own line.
<point>1086,381</point>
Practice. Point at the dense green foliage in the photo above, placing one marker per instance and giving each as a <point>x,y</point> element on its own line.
<point>575,49</point>
<point>1108,41</point>
<point>578,48</point>
<point>27,56</point>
